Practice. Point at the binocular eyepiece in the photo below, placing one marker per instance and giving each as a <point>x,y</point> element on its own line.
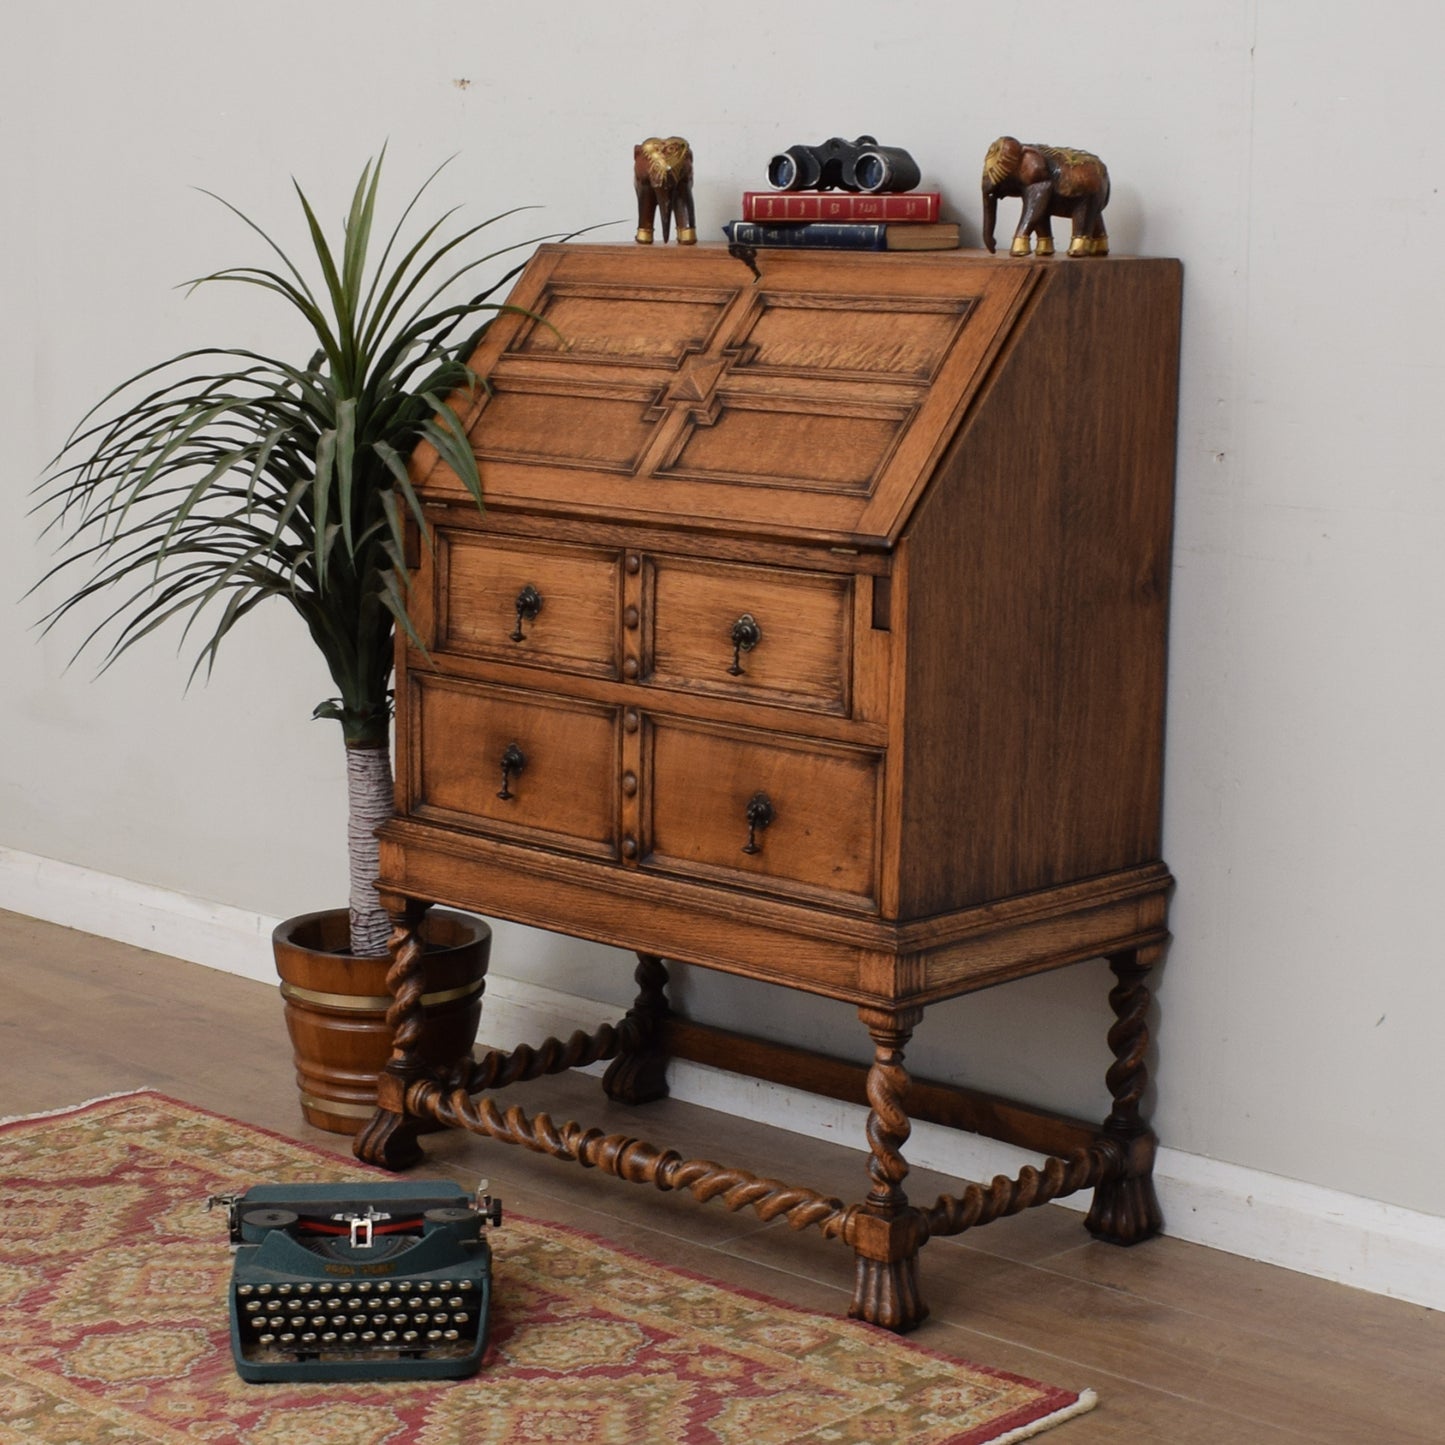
<point>838,164</point>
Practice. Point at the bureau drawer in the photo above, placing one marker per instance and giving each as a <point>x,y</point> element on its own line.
<point>516,764</point>
<point>773,634</point>
<point>788,815</point>
<point>545,604</point>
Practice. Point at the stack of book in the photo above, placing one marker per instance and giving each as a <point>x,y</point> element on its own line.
<point>843,220</point>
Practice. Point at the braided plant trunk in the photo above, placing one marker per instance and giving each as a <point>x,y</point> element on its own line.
<point>369,805</point>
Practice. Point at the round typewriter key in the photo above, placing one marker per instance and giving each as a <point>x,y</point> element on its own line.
<point>368,1337</point>
<point>324,1288</point>
<point>317,1321</point>
<point>243,1290</point>
<point>309,1338</point>
<point>441,1317</point>
<point>450,1335</point>
<point>434,1303</point>
<point>461,1317</point>
<point>421,1317</point>
<point>456,1302</point>
<point>394,1303</point>
<point>329,1338</point>
<point>266,1339</point>
<point>344,1289</point>
<point>466,1286</point>
<point>263,1289</point>
<point>286,1339</point>
<point>348,1337</point>
<point>357,1320</point>
<point>283,1289</point>
<point>410,1336</point>
<point>400,1319</point>
<point>433,1335</point>
<point>365,1287</point>
<point>276,1322</point>
<point>388,1337</point>
<point>415,1303</point>
<point>253,1306</point>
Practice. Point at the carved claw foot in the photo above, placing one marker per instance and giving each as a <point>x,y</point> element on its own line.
<point>638,1075</point>
<point>636,1078</point>
<point>887,1294</point>
<point>388,1141</point>
<point>885,1281</point>
<point>1125,1211</point>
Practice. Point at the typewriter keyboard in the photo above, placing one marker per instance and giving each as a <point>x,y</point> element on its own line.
<point>360,1319</point>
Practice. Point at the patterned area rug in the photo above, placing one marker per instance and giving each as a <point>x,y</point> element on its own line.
<point>113,1324</point>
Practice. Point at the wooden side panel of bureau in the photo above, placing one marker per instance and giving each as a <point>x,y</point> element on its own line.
<point>814,632</point>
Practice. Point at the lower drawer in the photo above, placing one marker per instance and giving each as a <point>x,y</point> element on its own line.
<point>517,764</point>
<point>763,810</point>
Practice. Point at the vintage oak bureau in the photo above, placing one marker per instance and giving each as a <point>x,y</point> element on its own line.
<point>814,631</point>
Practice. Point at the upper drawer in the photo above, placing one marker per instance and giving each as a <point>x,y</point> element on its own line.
<point>545,604</point>
<point>776,635</point>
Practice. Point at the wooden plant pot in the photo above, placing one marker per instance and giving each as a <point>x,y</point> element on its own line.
<point>336,1008</point>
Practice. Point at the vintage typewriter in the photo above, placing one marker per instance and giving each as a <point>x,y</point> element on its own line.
<point>370,1281</point>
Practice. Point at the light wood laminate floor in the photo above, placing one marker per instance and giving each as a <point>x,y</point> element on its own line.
<point>1183,1344</point>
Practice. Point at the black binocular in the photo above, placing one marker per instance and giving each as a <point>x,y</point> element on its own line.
<point>838,164</point>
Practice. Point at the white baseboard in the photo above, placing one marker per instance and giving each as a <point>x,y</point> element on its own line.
<point>1305,1227</point>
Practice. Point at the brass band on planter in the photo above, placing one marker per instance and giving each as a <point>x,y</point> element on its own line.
<point>370,1003</point>
<point>331,1106</point>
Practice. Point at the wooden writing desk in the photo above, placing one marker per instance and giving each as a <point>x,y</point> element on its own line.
<point>814,632</point>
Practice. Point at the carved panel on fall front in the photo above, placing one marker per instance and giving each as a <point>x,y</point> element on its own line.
<point>519,600</point>
<point>764,633</point>
<point>520,765</point>
<point>853,337</point>
<point>630,324</point>
<point>537,423</point>
<point>751,809</point>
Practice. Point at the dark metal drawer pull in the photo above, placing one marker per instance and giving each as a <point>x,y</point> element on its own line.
<point>513,761</point>
<point>746,635</point>
<point>760,816</point>
<point>529,604</point>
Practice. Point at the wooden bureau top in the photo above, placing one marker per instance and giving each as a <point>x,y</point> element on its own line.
<point>812,403</point>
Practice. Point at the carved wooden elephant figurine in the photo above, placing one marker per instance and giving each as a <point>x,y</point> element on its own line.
<point>662,171</point>
<point>1053,181</point>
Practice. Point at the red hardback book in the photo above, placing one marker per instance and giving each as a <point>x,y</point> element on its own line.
<point>896,206</point>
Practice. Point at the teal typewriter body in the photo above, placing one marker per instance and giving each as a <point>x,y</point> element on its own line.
<point>367,1281</point>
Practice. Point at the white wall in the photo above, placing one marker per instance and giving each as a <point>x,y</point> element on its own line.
<point>1289,154</point>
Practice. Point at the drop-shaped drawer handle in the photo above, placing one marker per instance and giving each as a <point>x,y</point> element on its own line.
<point>513,761</point>
<point>529,604</point>
<point>746,635</point>
<point>760,815</point>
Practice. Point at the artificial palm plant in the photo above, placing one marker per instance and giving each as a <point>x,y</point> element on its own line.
<point>212,482</point>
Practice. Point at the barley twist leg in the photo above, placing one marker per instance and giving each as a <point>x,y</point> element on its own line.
<point>638,1074</point>
<point>1125,1208</point>
<point>886,1232</point>
<point>390,1137</point>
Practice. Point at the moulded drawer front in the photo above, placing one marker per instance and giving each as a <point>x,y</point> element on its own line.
<point>523,601</point>
<point>814,829</point>
<point>795,630</point>
<point>555,759</point>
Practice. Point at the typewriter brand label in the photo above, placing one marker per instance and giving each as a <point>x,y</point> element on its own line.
<point>351,1270</point>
